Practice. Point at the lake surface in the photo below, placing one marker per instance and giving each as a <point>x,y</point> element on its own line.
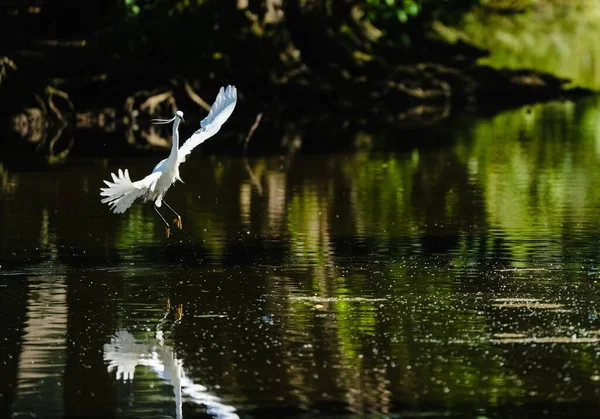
<point>453,279</point>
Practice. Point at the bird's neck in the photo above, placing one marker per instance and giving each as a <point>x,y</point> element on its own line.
<point>175,145</point>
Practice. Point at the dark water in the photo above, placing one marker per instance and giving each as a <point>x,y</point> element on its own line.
<point>458,280</point>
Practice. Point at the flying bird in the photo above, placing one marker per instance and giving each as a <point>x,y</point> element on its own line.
<point>121,193</point>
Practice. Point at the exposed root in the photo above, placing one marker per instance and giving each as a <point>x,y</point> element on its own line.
<point>154,101</point>
<point>252,129</point>
<point>194,96</point>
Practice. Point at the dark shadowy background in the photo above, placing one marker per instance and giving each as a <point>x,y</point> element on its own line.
<point>107,66</point>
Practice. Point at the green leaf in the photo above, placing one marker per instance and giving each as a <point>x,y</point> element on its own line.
<point>413,9</point>
<point>402,16</point>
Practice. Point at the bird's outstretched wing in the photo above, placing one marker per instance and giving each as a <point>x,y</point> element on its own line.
<point>122,192</point>
<point>219,112</point>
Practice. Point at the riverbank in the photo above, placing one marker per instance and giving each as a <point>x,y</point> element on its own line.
<point>101,84</point>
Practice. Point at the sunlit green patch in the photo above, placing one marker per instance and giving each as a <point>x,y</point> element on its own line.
<point>335,299</point>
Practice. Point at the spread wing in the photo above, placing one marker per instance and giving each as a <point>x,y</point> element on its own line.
<point>122,192</point>
<point>219,112</point>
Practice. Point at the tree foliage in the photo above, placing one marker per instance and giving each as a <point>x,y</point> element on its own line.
<point>275,40</point>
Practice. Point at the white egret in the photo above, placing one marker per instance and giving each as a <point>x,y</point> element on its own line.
<point>122,192</point>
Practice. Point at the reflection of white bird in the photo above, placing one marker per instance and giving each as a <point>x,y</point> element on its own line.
<point>124,353</point>
<point>122,192</point>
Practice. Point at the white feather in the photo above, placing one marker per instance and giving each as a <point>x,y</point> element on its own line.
<point>122,192</point>
<point>219,112</point>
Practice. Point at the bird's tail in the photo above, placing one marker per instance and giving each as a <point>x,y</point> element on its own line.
<point>121,192</point>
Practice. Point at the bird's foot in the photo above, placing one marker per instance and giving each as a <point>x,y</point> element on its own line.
<point>177,222</point>
<point>167,231</point>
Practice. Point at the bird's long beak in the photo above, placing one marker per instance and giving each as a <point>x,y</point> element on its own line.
<point>182,119</point>
<point>162,121</point>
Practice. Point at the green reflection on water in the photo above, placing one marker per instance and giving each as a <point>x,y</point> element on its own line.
<point>307,225</point>
<point>136,227</point>
<point>537,169</point>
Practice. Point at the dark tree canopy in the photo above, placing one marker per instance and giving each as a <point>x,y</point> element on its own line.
<point>372,57</point>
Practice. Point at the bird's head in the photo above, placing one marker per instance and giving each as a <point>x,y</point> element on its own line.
<point>178,115</point>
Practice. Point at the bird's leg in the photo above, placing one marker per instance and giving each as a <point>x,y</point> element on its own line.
<point>167,227</point>
<point>177,220</point>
